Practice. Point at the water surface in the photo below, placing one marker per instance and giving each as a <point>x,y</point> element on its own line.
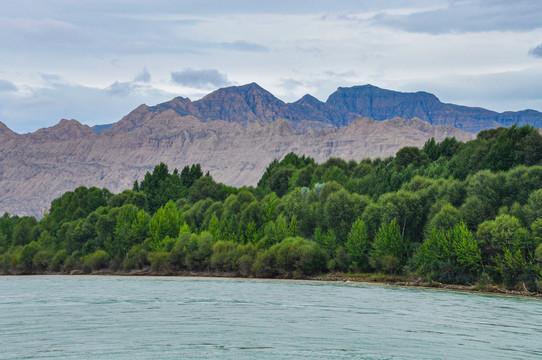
<point>107,317</point>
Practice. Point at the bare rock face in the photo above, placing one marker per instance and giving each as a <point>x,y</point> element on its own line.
<point>381,104</point>
<point>6,133</point>
<point>64,130</point>
<point>38,167</point>
<point>249,103</point>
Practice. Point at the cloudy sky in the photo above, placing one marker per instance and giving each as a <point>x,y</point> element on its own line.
<point>94,61</point>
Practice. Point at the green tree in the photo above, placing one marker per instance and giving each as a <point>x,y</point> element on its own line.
<point>7,226</point>
<point>505,232</point>
<point>389,250</point>
<point>22,233</point>
<point>505,153</point>
<point>160,186</point>
<point>165,222</point>
<point>123,238</point>
<point>126,197</point>
<point>449,255</point>
<point>26,257</point>
<point>533,208</point>
<point>341,210</point>
<point>410,155</point>
<point>202,188</point>
<point>447,217</point>
<point>358,246</point>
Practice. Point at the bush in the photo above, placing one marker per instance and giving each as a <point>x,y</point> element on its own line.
<point>58,260</point>
<point>71,263</point>
<point>137,258</point>
<point>10,259</point>
<point>223,258</point>
<point>291,257</point>
<point>159,261</point>
<point>390,264</point>
<point>42,260</point>
<point>27,256</point>
<point>96,261</point>
<point>200,249</point>
<point>264,264</point>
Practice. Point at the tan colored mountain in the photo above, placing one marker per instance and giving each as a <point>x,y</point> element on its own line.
<point>38,167</point>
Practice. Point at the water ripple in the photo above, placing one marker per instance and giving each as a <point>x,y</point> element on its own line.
<point>71,317</point>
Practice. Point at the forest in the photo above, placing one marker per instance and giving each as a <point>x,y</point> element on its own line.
<point>451,212</point>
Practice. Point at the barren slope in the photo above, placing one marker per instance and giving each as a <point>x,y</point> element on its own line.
<point>38,167</point>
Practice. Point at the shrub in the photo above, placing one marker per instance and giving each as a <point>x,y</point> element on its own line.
<point>291,257</point>
<point>42,260</point>
<point>58,260</point>
<point>223,257</point>
<point>27,256</point>
<point>137,258</point>
<point>159,261</point>
<point>96,261</point>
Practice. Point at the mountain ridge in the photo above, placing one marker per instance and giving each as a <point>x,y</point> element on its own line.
<point>248,103</point>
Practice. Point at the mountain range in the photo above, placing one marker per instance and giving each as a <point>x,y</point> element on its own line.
<point>233,132</point>
<point>248,103</point>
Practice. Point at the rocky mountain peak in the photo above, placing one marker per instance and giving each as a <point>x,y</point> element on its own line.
<point>369,100</point>
<point>6,132</point>
<point>64,130</point>
<point>308,99</point>
<point>248,103</point>
<point>241,104</point>
<point>249,93</point>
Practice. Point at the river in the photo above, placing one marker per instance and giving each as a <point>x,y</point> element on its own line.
<point>109,317</point>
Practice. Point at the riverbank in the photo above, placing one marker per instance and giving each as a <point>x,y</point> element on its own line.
<point>369,278</point>
<point>406,281</point>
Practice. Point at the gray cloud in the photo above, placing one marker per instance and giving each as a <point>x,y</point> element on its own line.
<point>120,88</point>
<point>536,52</point>
<point>204,78</point>
<point>7,86</point>
<point>243,46</point>
<point>143,76</point>
<point>460,16</point>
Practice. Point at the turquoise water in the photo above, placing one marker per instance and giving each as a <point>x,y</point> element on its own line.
<point>102,317</point>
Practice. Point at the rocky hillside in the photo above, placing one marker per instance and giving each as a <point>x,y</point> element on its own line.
<point>381,104</point>
<point>38,167</point>
<point>249,103</point>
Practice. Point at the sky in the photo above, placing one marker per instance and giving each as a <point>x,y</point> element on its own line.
<point>95,61</point>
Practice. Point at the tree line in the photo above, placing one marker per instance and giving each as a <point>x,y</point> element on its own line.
<point>452,212</point>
